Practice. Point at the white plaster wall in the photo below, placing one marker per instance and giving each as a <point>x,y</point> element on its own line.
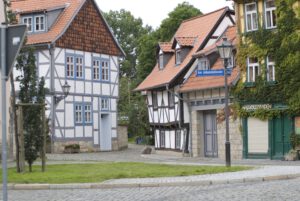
<point>88,131</point>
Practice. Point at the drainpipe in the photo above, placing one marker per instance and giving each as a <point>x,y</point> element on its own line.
<point>52,92</point>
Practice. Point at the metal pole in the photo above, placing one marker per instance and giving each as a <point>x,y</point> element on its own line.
<point>3,91</point>
<point>227,142</point>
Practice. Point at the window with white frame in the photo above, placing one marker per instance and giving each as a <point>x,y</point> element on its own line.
<point>161,61</point>
<point>79,67</point>
<point>28,22</point>
<point>39,23</point>
<point>177,54</point>
<point>105,70</point>
<point>251,16</point>
<point>162,139</point>
<point>70,66</point>
<point>87,113</point>
<point>253,69</point>
<point>178,139</point>
<point>78,114</point>
<point>270,69</point>
<point>74,66</point>
<point>96,69</point>
<point>104,104</point>
<point>270,14</point>
<point>231,62</point>
<point>203,64</point>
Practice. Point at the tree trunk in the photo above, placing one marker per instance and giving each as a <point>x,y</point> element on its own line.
<point>14,111</point>
<point>30,167</point>
<point>21,140</point>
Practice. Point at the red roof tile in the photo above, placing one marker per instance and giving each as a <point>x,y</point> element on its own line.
<point>199,83</point>
<point>70,10</point>
<point>166,47</point>
<point>199,26</point>
<point>230,33</point>
<point>186,41</point>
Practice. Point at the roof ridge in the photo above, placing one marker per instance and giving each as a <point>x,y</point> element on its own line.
<point>203,15</point>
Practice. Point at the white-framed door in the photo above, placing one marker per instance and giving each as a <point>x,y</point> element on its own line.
<point>105,132</point>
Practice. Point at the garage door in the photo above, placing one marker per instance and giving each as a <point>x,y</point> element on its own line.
<point>258,138</point>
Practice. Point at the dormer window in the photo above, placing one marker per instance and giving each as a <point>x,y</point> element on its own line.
<point>39,23</point>
<point>203,64</point>
<point>161,60</point>
<point>177,55</point>
<point>35,23</point>
<point>28,22</point>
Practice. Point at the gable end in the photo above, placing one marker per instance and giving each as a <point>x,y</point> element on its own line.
<point>88,32</point>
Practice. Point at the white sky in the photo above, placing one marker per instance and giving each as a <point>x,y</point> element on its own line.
<point>153,12</point>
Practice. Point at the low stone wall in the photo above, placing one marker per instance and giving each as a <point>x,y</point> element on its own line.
<point>121,142</point>
<point>84,146</point>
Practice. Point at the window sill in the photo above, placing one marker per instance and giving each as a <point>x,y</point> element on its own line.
<point>271,83</point>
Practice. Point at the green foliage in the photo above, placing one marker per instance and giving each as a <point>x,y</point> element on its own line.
<point>284,45</point>
<point>128,30</point>
<point>31,91</point>
<point>295,140</point>
<point>99,172</point>
<point>148,44</point>
<point>169,25</point>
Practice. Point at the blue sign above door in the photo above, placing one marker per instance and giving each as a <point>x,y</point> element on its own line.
<point>218,72</point>
<point>204,73</point>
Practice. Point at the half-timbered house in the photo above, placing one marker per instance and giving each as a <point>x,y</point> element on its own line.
<point>73,44</point>
<point>205,96</point>
<point>168,110</point>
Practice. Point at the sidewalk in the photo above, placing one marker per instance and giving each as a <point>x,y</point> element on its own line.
<point>264,170</point>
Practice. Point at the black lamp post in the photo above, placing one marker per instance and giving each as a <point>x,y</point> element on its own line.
<point>225,51</point>
<point>66,89</point>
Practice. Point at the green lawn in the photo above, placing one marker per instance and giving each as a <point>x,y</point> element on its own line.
<point>98,172</point>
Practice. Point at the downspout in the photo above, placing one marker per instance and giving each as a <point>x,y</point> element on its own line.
<point>52,93</point>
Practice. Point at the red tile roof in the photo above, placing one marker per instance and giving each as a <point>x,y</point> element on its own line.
<point>199,26</point>
<point>166,47</point>
<point>230,33</point>
<point>194,83</point>
<point>199,83</point>
<point>186,41</point>
<point>30,6</point>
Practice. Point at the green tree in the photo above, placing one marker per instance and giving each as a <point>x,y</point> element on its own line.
<point>148,43</point>
<point>32,91</point>
<point>127,29</point>
<point>169,25</point>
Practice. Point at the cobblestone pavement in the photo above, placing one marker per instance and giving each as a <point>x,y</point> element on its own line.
<point>264,191</point>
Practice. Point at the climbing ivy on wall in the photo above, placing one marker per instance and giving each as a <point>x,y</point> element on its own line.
<point>283,43</point>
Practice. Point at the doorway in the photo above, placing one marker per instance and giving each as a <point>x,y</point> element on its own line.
<point>210,134</point>
<point>105,133</point>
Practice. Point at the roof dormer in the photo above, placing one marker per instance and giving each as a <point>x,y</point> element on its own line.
<point>182,46</point>
<point>40,20</point>
<point>164,53</point>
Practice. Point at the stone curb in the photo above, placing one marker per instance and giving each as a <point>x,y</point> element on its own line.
<point>142,185</point>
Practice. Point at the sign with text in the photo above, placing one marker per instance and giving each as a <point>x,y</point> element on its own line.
<point>204,73</point>
<point>297,125</point>
<point>258,106</point>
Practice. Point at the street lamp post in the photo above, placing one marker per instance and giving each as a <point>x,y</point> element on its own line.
<point>225,51</point>
<point>66,89</point>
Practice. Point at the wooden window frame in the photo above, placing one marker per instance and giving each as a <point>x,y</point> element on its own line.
<point>253,16</point>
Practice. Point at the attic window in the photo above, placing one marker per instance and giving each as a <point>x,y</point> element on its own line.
<point>161,60</point>
<point>203,64</point>
<point>177,55</point>
<point>35,23</point>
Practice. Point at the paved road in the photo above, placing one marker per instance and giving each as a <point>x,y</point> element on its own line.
<point>265,191</point>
